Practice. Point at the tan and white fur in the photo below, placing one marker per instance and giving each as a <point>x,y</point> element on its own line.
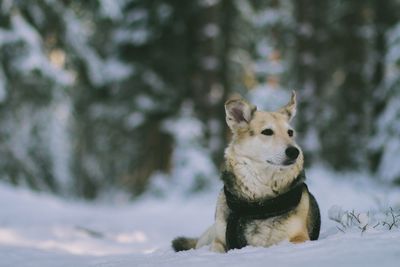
<point>257,155</point>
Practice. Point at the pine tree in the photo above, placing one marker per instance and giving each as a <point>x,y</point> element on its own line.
<point>332,65</point>
<point>33,82</point>
<point>173,52</point>
<point>386,142</point>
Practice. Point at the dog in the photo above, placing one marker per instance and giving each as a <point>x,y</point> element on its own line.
<point>264,200</point>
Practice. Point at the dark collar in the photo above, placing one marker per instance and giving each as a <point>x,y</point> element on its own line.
<point>268,207</point>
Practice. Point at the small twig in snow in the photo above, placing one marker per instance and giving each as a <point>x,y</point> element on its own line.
<point>340,229</point>
<point>355,216</point>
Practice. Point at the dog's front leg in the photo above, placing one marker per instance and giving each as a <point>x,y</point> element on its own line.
<point>221,215</point>
<point>217,246</point>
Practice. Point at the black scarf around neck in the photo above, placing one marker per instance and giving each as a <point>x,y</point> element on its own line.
<point>243,211</point>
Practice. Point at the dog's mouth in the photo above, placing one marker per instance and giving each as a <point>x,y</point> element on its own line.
<point>289,162</point>
<point>286,162</point>
<point>272,163</point>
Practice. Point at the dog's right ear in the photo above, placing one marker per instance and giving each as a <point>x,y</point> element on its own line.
<point>238,113</point>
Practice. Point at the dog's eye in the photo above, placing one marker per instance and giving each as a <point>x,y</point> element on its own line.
<point>267,132</point>
<point>290,133</point>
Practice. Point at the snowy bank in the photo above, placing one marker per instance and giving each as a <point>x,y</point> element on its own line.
<point>42,230</point>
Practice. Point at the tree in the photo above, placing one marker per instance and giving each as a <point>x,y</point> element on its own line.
<point>32,89</point>
<point>386,142</point>
<point>332,63</point>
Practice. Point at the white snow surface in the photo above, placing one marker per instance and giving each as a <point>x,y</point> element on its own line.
<point>41,230</point>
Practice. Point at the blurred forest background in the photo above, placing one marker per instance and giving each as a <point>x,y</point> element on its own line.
<point>104,95</point>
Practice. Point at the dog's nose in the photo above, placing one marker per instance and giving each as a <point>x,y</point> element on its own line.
<point>292,152</point>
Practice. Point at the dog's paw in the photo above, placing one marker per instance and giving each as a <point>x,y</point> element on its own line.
<point>217,246</point>
<point>300,238</point>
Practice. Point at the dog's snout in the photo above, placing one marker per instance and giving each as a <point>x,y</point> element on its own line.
<point>292,152</point>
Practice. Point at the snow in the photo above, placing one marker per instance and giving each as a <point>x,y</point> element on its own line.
<point>154,81</point>
<point>211,30</point>
<point>164,12</point>
<point>266,97</point>
<point>137,37</point>
<point>209,62</point>
<point>389,169</point>
<point>137,15</point>
<point>145,103</point>
<point>208,3</point>
<point>192,164</point>
<point>60,143</point>
<point>37,229</point>
<point>111,9</point>
<point>134,120</point>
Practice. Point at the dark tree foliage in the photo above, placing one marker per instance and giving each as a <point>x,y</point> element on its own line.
<point>89,89</point>
<point>338,62</point>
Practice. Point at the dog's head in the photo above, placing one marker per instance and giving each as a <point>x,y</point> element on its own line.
<point>264,137</point>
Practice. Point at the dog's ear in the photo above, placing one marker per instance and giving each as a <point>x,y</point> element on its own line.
<point>239,112</point>
<point>290,109</point>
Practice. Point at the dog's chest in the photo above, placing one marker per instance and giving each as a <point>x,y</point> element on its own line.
<point>265,222</point>
<point>267,232</point>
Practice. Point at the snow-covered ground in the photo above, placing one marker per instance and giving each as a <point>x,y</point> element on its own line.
<point>40,230</point>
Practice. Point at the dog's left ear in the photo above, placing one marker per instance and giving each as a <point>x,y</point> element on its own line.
<point>290,109</point>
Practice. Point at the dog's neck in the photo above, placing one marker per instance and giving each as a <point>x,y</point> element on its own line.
<point>255,180</point>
